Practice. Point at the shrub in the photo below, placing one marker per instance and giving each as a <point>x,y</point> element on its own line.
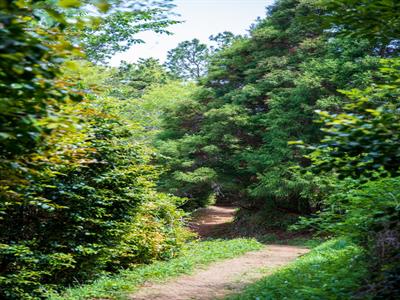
<point>369,214</point>
<point>91,208</point>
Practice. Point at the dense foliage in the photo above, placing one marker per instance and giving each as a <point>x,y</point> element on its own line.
<point>77,193</point>
<point>360,152</point>
<point>231,140</point>
<point>188,60</point>
<point>96,211</point>
<point>376,20</point>
<point>315,87</point>
<point>363,139</point>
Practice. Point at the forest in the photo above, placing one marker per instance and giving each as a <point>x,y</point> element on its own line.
<point>293,130</point>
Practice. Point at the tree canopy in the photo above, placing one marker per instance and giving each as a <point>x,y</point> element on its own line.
<point>188,60</point>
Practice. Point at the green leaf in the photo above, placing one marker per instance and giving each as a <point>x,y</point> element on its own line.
<point>70,3</point>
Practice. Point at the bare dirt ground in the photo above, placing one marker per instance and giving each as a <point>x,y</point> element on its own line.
<point>212,221</point>
<point>221,278</point>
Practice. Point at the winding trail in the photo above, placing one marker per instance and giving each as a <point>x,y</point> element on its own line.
<point>212,221</point>
<point>225,277</point>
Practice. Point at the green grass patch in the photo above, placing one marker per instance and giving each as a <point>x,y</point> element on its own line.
<point>194,255</point>
<point>308,242</point>
<point>333,270</point>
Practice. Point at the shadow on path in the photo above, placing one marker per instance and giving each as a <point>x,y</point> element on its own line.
<point>213,221</point>
<point>224,277</point>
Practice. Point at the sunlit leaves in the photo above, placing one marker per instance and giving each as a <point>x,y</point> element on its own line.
<point>116,30</point>
<point>375,20</point>
<point>188,60</point>
<point>364,140</point>
<point>72,176</point>
<point>69,3</point>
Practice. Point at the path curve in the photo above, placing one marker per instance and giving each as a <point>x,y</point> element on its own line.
<point>212,221</point>
<point>221,278</point>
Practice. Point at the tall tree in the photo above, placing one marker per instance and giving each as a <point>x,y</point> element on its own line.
<point>261,92</point>
<point>133,80</point>
<point>222,40</point>
<point>375,20</point>
<point>188,60</point>
<point>116,30</point>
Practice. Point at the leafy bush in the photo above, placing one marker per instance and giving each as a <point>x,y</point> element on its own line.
<point>76,186</point>
<point>369,214</point>
<point>95,211</point>
<point>77,191</point>
<point>30,102</point>
<point>363,140</point>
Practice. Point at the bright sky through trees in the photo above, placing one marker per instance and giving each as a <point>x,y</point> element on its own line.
<point>202,19</point>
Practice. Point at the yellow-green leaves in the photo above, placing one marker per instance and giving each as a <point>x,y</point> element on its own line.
<point>103,5</point>
<point>69,3</point>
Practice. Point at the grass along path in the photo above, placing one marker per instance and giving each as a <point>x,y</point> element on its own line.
<point>222,278</point>
<point>332,271</point>
<point>225,277</point>
<point>196,255</point>
<point>208,269</point>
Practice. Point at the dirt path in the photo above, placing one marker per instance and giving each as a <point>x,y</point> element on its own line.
<point>221,278</point>
<point>212,221</point>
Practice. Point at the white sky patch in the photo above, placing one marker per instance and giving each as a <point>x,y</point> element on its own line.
<point>202,19</point>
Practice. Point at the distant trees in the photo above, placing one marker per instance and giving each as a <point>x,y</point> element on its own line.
<point>188,60</point>
<point>222,40</point>
<point>132,80</point>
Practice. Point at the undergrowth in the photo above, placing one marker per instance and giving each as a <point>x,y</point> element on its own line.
<point>263,221</point>
<point>333,270</point>
<point>196,254</point>
<point>306,241</point>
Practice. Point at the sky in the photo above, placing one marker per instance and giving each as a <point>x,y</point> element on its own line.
<point>202,18</point>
